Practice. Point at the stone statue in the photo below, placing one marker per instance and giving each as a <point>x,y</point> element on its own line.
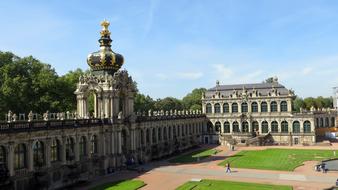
<point>14,117</point>
<point>120,115</point>
<point>9,116</point>
<point>30,116</point>
<point>46,116</point>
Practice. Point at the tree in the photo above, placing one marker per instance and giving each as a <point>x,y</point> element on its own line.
<point>168,103</point>
<point>298,103</point>
<point>143,103</point>
<point>28,84</point>
<point>193,99</point>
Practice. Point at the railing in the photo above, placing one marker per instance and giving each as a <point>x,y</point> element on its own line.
<point>49,125</point>
<point>168,117</point>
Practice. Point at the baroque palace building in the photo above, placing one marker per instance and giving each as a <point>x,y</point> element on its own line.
<point>54,150</point>
<point>261,113</point>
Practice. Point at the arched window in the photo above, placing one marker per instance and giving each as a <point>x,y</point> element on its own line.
<point>225,108</point>
<point>209,127</point>
<point>38,154</point>
<point>70,153</point>
<point>244,107</point>
<point>20,156</point>
<point>333,122</point>
<point>326,122</point>
<point>3,155</point>
<point>208,108</point>
<point>217,126</point>
<point>273,106</point>
<point>296,127</point>
<point>264,107</point>
<point>82,147</point>
<point>284,127</point>
<point>245,127</point>
<point>226,127</point>
<point>93,142</point>
<point>265,127</point>
<point>283,106</point>
<point>217,108</point>
<point>254,107</point>
<point>307,127</point>
<point>234,107</point>
<point>274,127</point>
<point>255,126</point>
<point>55,150</point>
<point>321,122</point>
<point>235,127</point>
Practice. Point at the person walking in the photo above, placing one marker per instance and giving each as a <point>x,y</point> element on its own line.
<point>228,170</point>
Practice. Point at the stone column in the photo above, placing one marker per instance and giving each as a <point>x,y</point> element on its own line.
<point>151,136</point>
<point>10,163</point>
<point>259,106</point>
<point>63,151</point>
<point>116,106</point>
<point>47,152</point>
<point>30,155</point>
<point>119,142</point>
<point>112,140</point>
<point>250,126</point>
<point>278,106</point>
<point>131,104</point>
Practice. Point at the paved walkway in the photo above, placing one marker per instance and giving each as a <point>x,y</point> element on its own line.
<point>166,176</point>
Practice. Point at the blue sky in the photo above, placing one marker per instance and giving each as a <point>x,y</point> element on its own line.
<point>172,47</point>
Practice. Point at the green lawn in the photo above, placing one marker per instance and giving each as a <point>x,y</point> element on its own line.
<point>121,185</point>
<point>229,185</point>
<point>194,156</point>
<point>275,159</point>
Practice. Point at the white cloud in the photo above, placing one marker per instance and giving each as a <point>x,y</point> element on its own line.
<point>161,76</point>
<point>223,71</point>
<point>190,75</point>
<point>307,71</point>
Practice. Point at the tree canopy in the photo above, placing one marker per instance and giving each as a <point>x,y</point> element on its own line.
<point>28,84</point>
<point>307,103</point>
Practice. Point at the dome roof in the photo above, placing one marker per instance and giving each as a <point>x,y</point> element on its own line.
<point>105,59</point>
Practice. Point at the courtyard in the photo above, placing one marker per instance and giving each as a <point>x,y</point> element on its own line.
<point>166,175</point>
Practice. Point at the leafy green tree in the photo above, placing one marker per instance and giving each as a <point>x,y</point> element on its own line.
<point>143,103</point>
<point>193,99</point>
<point>168,103</point>
<point>28,84</point>
<point>297,104</point>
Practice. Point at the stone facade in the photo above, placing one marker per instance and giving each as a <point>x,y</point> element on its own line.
<point>244,111</point>
<point>57,149</point>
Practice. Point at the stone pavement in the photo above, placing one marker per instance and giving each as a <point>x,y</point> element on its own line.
<point>167,176</point>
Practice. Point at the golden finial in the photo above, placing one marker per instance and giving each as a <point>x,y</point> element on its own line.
<point>105,30</point>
